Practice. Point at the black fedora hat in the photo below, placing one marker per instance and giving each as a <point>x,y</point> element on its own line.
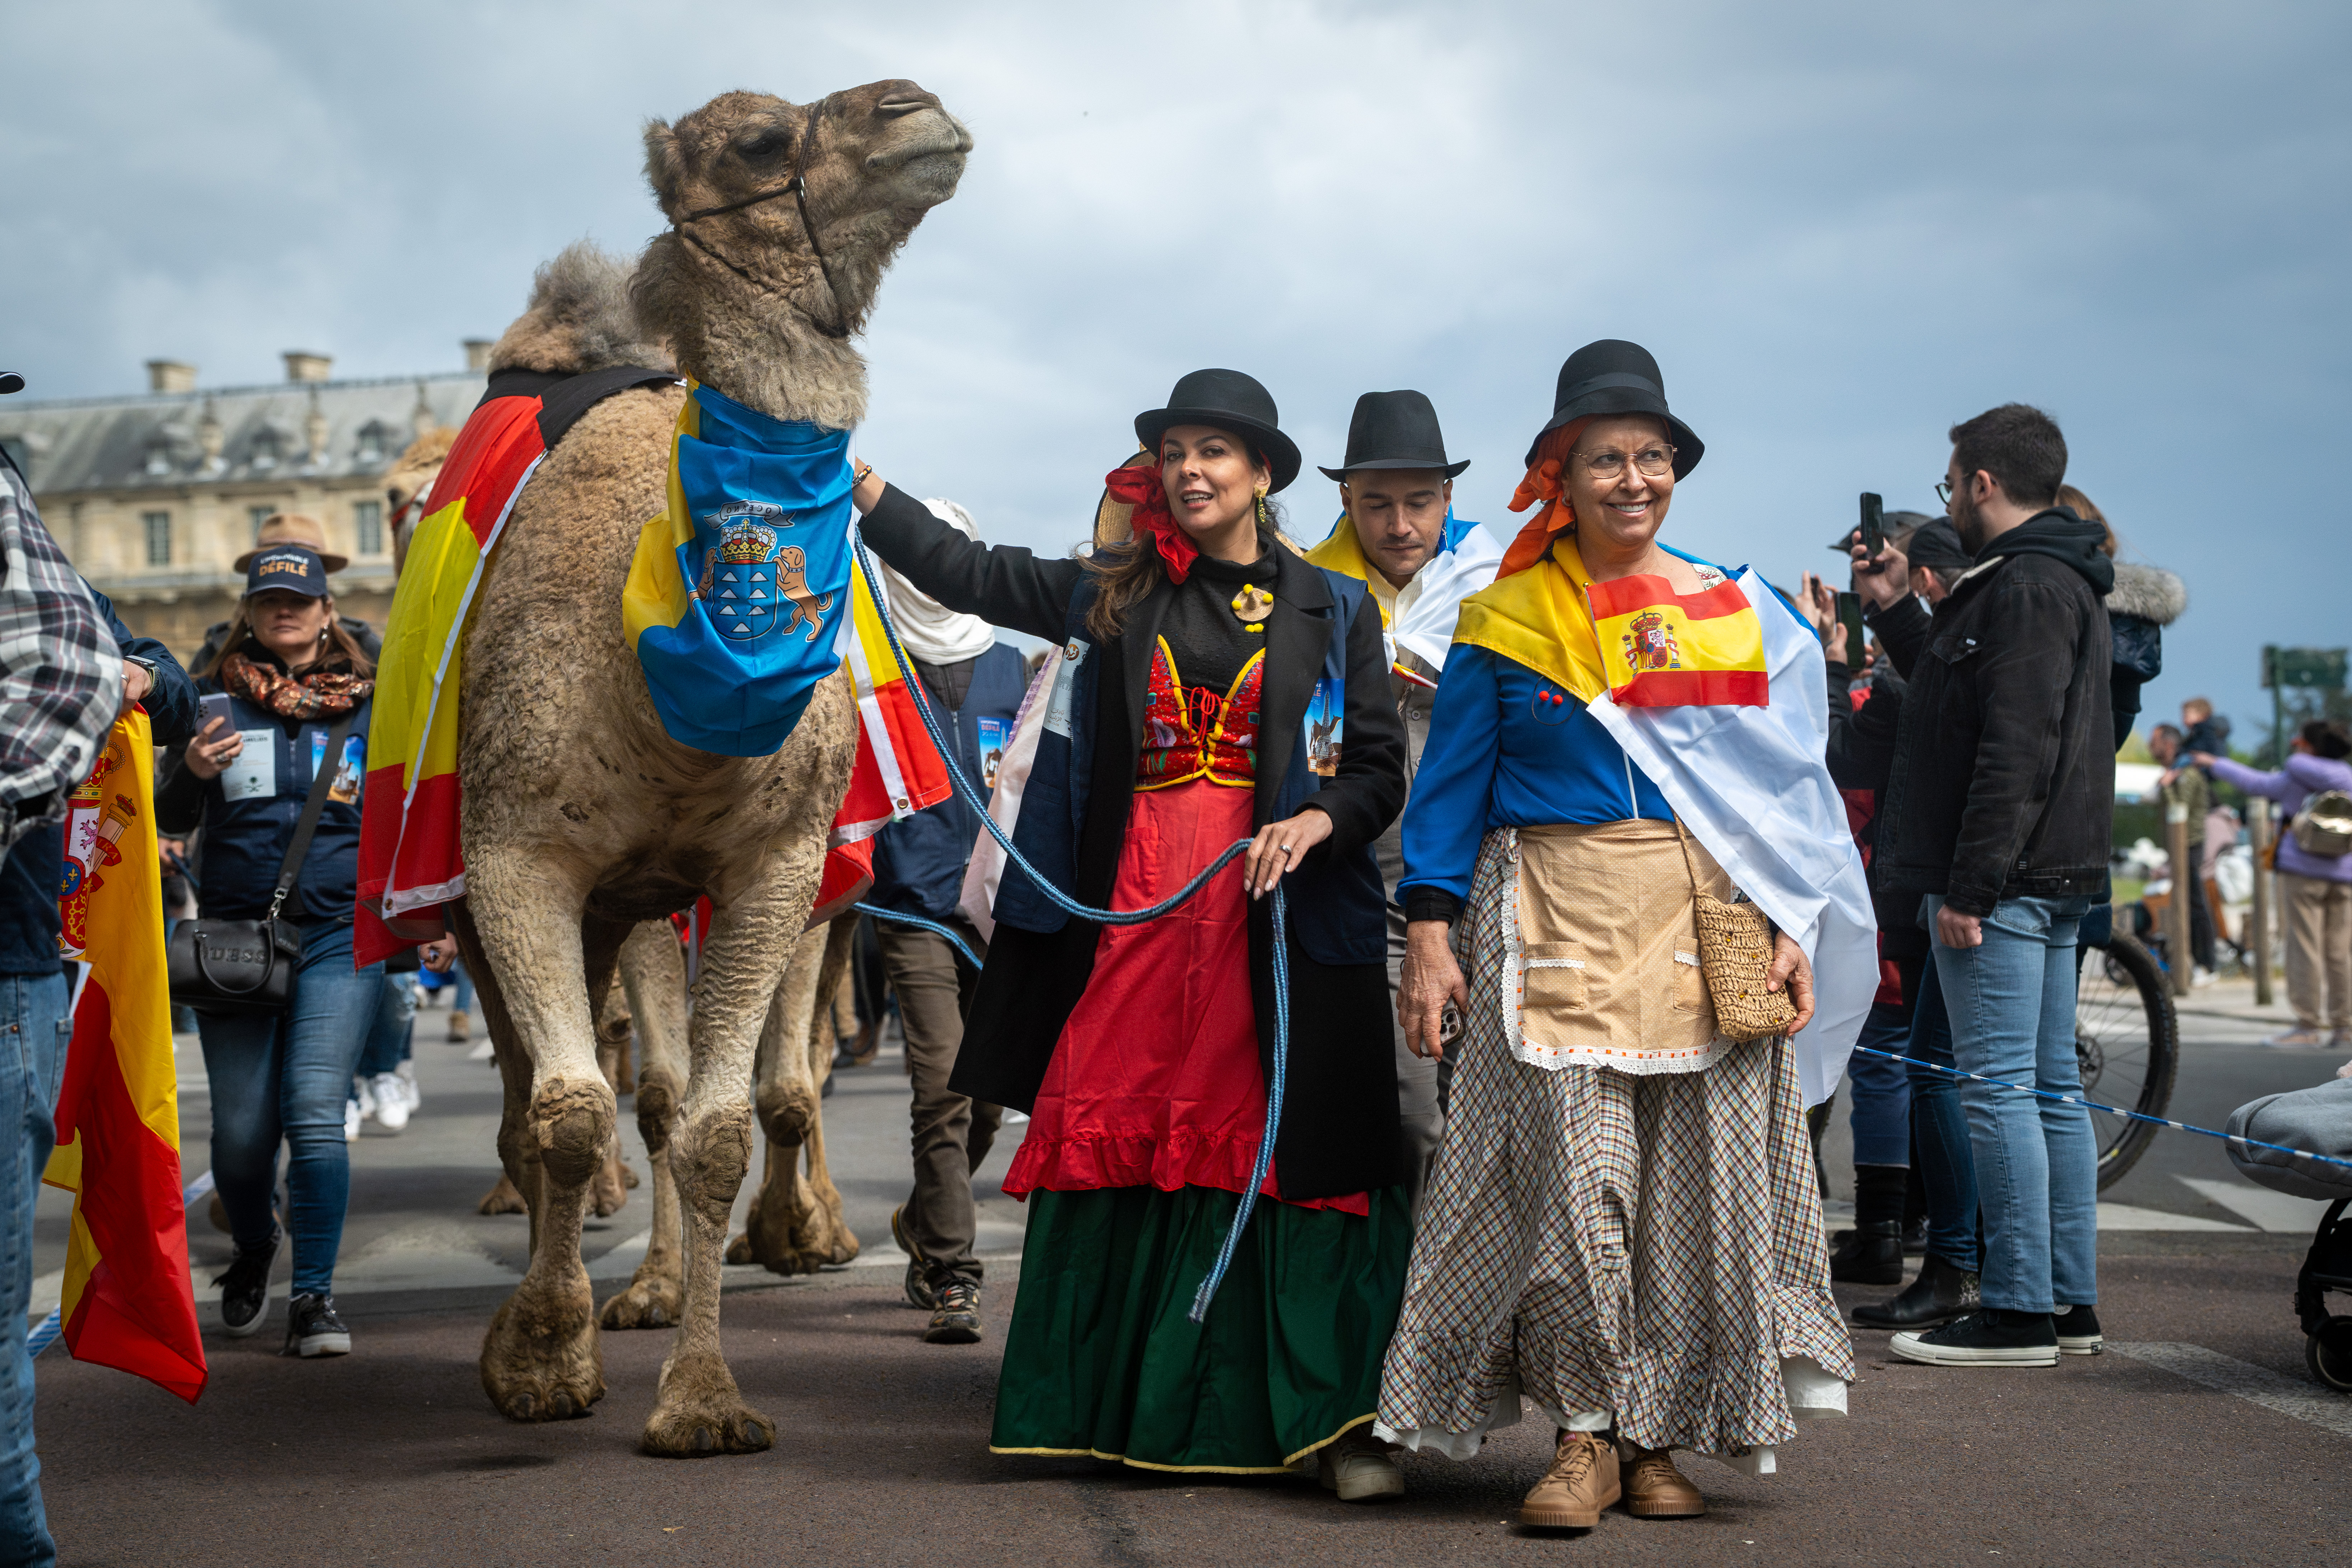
<point>1226,400</point>
<point>1614,376</point>
<point>1395,430</point>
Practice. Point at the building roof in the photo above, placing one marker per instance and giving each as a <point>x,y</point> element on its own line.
<point>282,432</point>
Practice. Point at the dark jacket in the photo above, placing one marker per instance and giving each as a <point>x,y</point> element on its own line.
<point>1338,1132</point>
<point>35,867</point>
<point>245,838</point>
<point>1862,757</point>
<point>2144,601</point>
<point>2004,777</point>
<point>918,864</point>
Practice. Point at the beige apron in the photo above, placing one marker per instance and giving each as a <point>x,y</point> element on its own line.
<point>1603,942</point>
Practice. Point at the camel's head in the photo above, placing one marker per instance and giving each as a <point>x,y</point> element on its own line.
<point>408,487</point>
<point>873,161</point>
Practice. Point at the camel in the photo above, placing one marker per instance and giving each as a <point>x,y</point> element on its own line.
<point>582,818</point>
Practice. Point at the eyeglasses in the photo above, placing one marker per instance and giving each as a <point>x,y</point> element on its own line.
<point>1650,462</point>
<point>1944,491</point>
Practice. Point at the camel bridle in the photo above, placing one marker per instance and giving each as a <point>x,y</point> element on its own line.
<point>797,188</point>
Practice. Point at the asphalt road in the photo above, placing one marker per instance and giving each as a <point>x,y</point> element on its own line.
<point>2206,1444</point>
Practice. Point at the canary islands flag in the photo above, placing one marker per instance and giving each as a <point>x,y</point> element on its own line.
<point>128,1302</point>
<point>739,595</point>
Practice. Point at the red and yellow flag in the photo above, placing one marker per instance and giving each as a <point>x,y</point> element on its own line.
<point>1664,649</point>
<point>129,1301</point>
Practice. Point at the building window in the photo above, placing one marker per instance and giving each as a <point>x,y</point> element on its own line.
<point>259,515</point>
<point>369,516</point>
<point>159,537</point>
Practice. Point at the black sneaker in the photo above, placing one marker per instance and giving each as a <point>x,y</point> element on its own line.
<point>917,1285</point>
<point>1869,1254</point>
<point>312,1327</point>
<point>245,1290</point>
<point>2078,1331</point>
<point>956,1319</point>
<point>1987,1337</point>
<point>1943,1291</point>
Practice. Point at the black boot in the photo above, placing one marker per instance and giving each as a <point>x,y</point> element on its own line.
<point>1869,1254</point>
<point>1941,1293</point>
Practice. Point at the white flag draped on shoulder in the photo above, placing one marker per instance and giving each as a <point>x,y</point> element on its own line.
<point>1753,785</point>
<point>1426,628</point>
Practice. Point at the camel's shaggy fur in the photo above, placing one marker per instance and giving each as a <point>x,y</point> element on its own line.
<point>582,818</point>
<point>578,318</point>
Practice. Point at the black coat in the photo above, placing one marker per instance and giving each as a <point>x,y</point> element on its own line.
<point>1862,757</point>
<point>1338,1132</point>
<point>2004,779</point>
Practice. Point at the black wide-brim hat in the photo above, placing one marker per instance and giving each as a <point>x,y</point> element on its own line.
<point>1614,376</point>
<point>1226,400</point>
<point>1395,430</point>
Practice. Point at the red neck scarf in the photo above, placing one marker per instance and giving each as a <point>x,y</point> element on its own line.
<point>1140,489</point>
<point>1542,484</point>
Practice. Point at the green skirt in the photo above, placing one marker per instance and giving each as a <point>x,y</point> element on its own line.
<point>1101,1359</point>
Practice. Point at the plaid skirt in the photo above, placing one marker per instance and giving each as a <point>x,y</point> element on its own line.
<point>1644,1253</point>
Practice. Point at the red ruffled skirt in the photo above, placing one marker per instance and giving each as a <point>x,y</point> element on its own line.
<point>1155,1080</point>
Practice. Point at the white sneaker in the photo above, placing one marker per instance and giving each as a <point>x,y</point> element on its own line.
<point>390,1102</point>
<point>350,1120</point>
<point>1359,1468</point>
<point>2199,976</point>
<point>406,1073</point>
<point>481,1053</point>
<point>364,1096</point>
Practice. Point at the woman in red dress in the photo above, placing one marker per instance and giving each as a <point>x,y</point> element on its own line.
<point>1195,663</point>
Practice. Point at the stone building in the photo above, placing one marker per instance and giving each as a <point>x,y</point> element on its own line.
<point>153,497</point>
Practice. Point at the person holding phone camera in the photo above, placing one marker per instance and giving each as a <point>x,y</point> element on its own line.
<point>287,697</point>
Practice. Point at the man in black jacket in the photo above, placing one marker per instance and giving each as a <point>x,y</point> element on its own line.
<point>1997,818</point>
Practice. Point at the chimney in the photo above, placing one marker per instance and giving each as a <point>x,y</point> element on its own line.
<point>478,353</point>
<point>306,367</point>
<point>170,375</point>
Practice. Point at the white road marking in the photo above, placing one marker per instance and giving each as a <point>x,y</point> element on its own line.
<point>2274,1212</point>
<point>2124,1216</point>
<point>2244,1380</point>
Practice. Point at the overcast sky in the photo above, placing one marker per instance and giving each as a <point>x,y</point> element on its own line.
<point>1839,227</point>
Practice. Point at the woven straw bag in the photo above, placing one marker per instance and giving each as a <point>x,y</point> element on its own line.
<point>1735,955</point>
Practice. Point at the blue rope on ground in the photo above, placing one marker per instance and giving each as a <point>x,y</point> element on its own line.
<point>2110,1109</point>
<point>879,913</point>
<point>979,803</point>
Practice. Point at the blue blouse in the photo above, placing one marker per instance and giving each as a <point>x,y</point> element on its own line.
<point>1508,747</point>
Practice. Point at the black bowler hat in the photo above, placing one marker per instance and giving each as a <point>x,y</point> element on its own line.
<point>1226,400</point>
<point>1614,376</point>
<point>1936,544</point>
<point>289,566</point>
<point>1395,430</point>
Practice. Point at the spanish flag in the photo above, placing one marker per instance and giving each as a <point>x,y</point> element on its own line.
<point>1664,649</point>
<point>129,1301</point>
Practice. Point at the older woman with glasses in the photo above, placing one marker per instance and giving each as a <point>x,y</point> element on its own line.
<point>1624,1224</point>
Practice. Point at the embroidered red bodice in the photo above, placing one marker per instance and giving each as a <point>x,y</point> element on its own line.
<point>1191,732</point>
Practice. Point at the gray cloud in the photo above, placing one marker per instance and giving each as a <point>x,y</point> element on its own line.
<point>1841,229</point>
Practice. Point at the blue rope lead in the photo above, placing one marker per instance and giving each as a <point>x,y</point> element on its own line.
<point>2110,1109</point>
<point>879,913</point>
<point>979,803</point>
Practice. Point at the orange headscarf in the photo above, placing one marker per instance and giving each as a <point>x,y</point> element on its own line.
<point>1543,484</point>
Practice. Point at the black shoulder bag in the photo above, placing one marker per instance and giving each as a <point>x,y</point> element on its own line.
<point>224,967</point>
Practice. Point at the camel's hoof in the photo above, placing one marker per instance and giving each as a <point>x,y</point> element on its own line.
<point>727,1426</point>
<point>628,1175</point>
<point>740,1249</point>
<point>541,1360</point>
<point>645,1304</point>
<point>504,1199</point>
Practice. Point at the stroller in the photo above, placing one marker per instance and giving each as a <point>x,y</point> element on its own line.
<point>2319,1119</point>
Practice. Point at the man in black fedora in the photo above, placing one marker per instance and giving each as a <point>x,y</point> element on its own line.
<point>1396,492</point>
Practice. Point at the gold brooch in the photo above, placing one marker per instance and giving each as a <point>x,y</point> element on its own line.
<point>1252,605</point>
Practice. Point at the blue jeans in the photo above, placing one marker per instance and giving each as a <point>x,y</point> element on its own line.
<point>33,1027</point>
<point>1881,1117</point>
<point>1947,1170</point>
<point>284,1077</point>
<point>395,1019</point>
<point>464,1001</point>
<point>2011,1003</point>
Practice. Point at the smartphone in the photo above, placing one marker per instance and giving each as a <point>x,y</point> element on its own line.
<point>210,706</point>
<point>1873,524</point>
<point>1848,614</point>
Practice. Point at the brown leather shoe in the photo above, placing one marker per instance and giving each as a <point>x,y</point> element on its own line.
<point>1654,1488</point>
<point>1582,1481</point>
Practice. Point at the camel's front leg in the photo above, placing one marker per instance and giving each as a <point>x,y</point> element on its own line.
<point>700,1411</point>
<point>608,1192</point>
<point>783,1232</point>
<point>540,1359</point>
<point>653,969</point>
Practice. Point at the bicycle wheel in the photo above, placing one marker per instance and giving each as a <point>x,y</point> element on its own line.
<point>2128,1044</point>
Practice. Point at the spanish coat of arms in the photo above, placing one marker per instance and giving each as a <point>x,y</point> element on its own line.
<point>1650,643</point>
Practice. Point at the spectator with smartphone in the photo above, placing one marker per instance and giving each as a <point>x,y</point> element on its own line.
<point>1998,820</point>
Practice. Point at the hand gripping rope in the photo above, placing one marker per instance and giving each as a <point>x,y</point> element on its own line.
<point>979,803</point>
<point>2110,1109</point>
